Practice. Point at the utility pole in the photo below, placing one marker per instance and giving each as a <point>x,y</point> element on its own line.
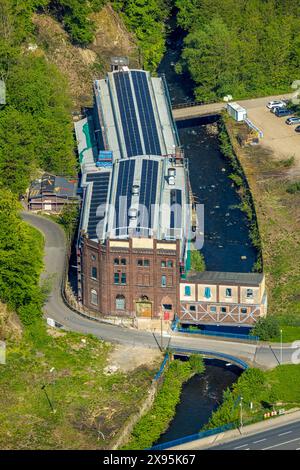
<point>43,387</point>
<point>161,331</point>
<point>241,413</point>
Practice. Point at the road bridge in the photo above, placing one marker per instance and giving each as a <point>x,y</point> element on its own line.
<point>263,356</point>
<point>185,111</point>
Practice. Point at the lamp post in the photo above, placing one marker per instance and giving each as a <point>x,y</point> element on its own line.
<point>43,387</point>
<point>280,347</point>
<point>241,413</point>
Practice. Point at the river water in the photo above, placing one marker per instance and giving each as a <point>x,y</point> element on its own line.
<point>200,396</point>
<point>226,237</point>
<point>227,246</point>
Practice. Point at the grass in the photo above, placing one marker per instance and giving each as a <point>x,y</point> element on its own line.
<point>91,407</point>
<point>156,421</point>
<point>289,334</point>
<point>261,391</point>
<point>278,213</point>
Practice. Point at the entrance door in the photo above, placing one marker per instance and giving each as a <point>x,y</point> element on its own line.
<point>144,309</point>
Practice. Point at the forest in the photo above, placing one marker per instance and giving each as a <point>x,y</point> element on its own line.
<point>244,48</point>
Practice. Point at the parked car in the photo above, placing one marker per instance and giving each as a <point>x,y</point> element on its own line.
<point>297,129</point>
<point>281,112</point>
<point>276,104</point>
<point>273,110</point>
<point>293,120</point>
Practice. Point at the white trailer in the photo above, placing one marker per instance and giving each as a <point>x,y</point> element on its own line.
<point>236,112</point>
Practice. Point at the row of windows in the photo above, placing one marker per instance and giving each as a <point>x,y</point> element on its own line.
<point>143,262</point>
<point>140,262</point>
<point>208,294</point>
<point>213,309</point>
<point>120,277</point>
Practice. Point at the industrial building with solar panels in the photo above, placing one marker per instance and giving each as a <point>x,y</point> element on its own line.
<point>135,218</point>
<point>133,250</point>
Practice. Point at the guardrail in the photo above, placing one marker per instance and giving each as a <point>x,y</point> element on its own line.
<point>217,334</point>
<point>162,367</point>
<point>217,355</point>
<point>191,104</point>
<point>193,437</point>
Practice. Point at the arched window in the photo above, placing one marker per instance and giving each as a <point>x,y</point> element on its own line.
<point>120,302</point>
<point>94,297</point>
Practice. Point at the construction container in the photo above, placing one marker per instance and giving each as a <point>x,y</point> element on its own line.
<point>236,112</point>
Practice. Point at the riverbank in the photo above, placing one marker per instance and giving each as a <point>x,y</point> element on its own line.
<point>260,392</point>
<point>278,214</point>
<point>157,419</point>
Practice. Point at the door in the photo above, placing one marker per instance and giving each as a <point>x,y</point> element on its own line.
<point>144,309</point>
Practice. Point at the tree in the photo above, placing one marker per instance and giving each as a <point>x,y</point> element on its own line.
<point>21,249</point>
<point>197,261</point>
<point>211,55</point>
<point>17,157</point>
<point>266,328</point>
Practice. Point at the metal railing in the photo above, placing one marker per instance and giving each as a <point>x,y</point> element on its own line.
<point>193,437</point>
<point>218,334</point>
<point>222,356</point>
<point>193,103</point>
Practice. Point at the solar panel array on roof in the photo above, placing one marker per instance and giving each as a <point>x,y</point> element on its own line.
<point>147,195</point>
<point>128,114</point>
<point>124,185</point>
<point>146,113</point>
<point>175,204</point>
<point>99,196</point>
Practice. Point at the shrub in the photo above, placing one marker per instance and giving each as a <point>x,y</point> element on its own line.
<point>197,261</point>
<point>266,328</point>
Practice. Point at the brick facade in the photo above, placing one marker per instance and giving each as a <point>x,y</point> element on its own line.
<point>131,278</point>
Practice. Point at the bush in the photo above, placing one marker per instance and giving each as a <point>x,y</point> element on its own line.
<point>266,328</point>
<point>157,420</point>
<point>197,261</point>
<point>293,188</point>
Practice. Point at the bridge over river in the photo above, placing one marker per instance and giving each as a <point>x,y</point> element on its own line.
<point>262,355</point>
<point>196,109</point>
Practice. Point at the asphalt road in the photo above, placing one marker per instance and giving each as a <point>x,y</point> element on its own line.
<point>55,251</point>
<point>285,437</point>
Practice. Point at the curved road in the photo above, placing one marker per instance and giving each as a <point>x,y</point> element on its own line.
<point>54,260</point>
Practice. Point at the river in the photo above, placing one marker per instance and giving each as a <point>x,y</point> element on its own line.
<point>200,396</point>
<point>227,246</point>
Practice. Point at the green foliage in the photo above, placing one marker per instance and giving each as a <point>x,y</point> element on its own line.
<point>81,392</point>
<point>35,126</point>
<point>68,218</point>
<point>21,252</point>
<point>279,387</point>
<point>243,48</point>
<point>293,188</point>
<point>156,421</point>
<point>197,261</point>
<point>196,363</point>
<point>266,328</point>
<point>146,19</point>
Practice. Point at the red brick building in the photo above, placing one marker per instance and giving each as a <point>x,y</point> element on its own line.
<point>135,277</point>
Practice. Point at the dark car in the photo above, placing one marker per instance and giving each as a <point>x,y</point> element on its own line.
<point>297,129</point>
<point>280,112</point>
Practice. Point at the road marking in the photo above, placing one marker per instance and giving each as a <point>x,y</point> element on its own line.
<point>239,447</point>
<point>283,433</point>
<point>281,444</point>
<point>260,440</point>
